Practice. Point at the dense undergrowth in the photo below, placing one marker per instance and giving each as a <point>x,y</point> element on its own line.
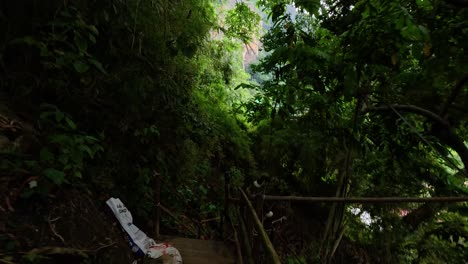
<point>349,98</point>
<point>103,94</point>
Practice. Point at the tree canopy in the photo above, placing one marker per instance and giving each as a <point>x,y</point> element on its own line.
<point>366,98</point>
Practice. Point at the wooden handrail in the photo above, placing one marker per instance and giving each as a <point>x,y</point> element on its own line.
<point>367,199</point>
<point>261,231</point>
<point>360,199</point>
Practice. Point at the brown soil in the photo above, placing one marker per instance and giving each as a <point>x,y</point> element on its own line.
<point>70,228</point>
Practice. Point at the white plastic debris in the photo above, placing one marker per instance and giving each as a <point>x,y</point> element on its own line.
<point>281,219</point>
<point>256,184</point>
<point>32,184</point>
<point>159,250</point>
<point>139,242</point>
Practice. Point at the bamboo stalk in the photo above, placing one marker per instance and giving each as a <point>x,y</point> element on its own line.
<point>245,238</point>
<point>261,231</point>
<point>210,220</point>
<point>236,240</point>
<point>298,259</point>
<point>257,247</point>
<point>157,199</point>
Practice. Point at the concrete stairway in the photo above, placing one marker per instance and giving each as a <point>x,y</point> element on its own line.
<point>196,251</point>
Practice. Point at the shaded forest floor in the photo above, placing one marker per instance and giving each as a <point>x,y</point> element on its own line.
<point>69,228</point>
<point>67,225</point>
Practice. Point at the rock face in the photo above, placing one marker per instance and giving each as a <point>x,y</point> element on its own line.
<point>251,52</point>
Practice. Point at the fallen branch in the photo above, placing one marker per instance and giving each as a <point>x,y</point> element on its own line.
<point>101,247</point>
<point>59,251</point>
<point>52,228</point>
<point>210,220</point>
<point>82,253</point>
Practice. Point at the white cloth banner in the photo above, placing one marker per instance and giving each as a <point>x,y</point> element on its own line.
<point>139,242</point>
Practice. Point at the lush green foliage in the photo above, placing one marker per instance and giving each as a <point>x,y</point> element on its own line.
<point>361,102</point>
<point>121,89</point>
<point>350,98</point>
<point>242,22</point>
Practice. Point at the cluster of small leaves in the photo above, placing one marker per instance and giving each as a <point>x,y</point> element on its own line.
<point>63,157</point>
<point>444,240</point>
<point>66,45</point>
<point>242,23</point>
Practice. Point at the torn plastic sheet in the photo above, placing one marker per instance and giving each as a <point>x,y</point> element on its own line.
<point>139,242</point>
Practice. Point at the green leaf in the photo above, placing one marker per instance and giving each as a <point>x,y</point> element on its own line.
<point>246,86</point>
<point>92,38</point>
<point>59,116</point>
<point>93,29</point>
<point>64,159</point>
<point>56,176</point>
<point>80,67</point>
<point>203,190</point>
<point>98,65</point>
<point>70,123</point>
<point>91,139</point>
<point>424,32</point>
<point>31,164</point>
<point>81,43</point>
<point>31,257</point>
<point>212,207</point>
<point>76,156</point>
<point>366,12</point>
<point>45,115</point>
<point>88,150</point>
<point>60,61</point>
<point>426,5</point>
<point>400,22</point>
<point>320,53</point>
<point>311,6</point>
<point>45,155</point>
<point>350,81</point>
<point>77,174</point>
<point>416,33</point>
<point>106,15</point>
<point>277,11</point>
<point>242,23</point>
<point>59,139</point>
